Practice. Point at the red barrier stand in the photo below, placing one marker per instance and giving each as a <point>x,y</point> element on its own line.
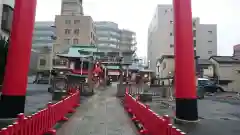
<point>42,121</point>
<point>152,123</point>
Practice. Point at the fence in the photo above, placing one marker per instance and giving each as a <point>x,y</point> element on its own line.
<point>42,121</point>
<point>152,123</point>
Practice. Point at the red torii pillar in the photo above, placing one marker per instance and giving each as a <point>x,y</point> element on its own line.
<point>185,81</point>
<point>15,80</point>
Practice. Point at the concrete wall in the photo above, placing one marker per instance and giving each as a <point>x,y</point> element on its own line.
<point>47,58</point>
<point>166,67</point>
<point>33,61</point>
<point>209,71</point>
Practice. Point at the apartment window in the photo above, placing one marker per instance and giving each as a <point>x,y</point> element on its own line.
<point>92,35</point>
<point>194,43</point>
<point>194,33</point>
<point>76,31</point>
<point>209,52</point>
<point>210,32</point>
<point>7,16</point>
<point>67,31</point>
<point>194,24</point>
<point>209,41</point>
<point>42,62</point>
<point>76,21</point>
<point>164,65</point>
<point>67,21</point>
<point>171,45</point>
<point>75,41</point>
<point>67,41</point>
<point>171,34</point>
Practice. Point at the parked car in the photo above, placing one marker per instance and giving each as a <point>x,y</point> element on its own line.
<point>209,86</point>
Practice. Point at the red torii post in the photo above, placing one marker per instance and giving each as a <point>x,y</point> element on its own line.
<point>18,59</point>
<point>185,79</point>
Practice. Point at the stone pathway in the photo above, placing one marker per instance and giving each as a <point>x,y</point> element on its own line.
<point>101,115</point>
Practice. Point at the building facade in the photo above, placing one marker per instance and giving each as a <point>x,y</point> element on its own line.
<point>72,27</point>
<point>227,71</point>
<point>109,35</point>
<point>73,30</point>
<point>43,34</point>
<point>236,51</point>
<point>71,7</point>
<point>6,15</point>
<point>161,36</point>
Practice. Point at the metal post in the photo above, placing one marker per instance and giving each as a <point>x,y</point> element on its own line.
<point>51,64</point>
<point>90,84</point>
<point>185,84</point>
<point>81,60</point>
<point>18,59</point>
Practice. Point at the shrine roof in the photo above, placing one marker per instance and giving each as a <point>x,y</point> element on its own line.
<point>76,51</point>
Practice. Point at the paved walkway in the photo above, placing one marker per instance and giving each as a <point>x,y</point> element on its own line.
<point>101,115</point>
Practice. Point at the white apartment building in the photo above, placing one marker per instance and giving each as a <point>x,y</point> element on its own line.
<point>161,36</point>
<point>109,35</point>
<point>6,14</point>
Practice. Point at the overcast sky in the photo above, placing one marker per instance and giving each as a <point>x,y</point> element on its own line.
<point>135,15</point>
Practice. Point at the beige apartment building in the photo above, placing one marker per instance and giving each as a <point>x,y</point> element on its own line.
<point>73,29</point>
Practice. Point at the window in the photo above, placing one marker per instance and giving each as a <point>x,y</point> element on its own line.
<point>59,62</point>
<point>67,31</point>
<point>76,31</point>
<point>67,21</point>
<point>79,65</point>
<point>91,35</point>
<point>194,24</point>
<point>171,34</point>
<point>75,41</point>
<point>76,21</point>
<point>210,32</point>
<point>194,33</point>
<point>164,65</point>
<point>171,45</point>
<point>194,43</point>
<point>7,16</point>
<point>67,41</point>
<point>195,53</point>
<point>42,62</point>
<point>209,52</point>
<point>209,41</point>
